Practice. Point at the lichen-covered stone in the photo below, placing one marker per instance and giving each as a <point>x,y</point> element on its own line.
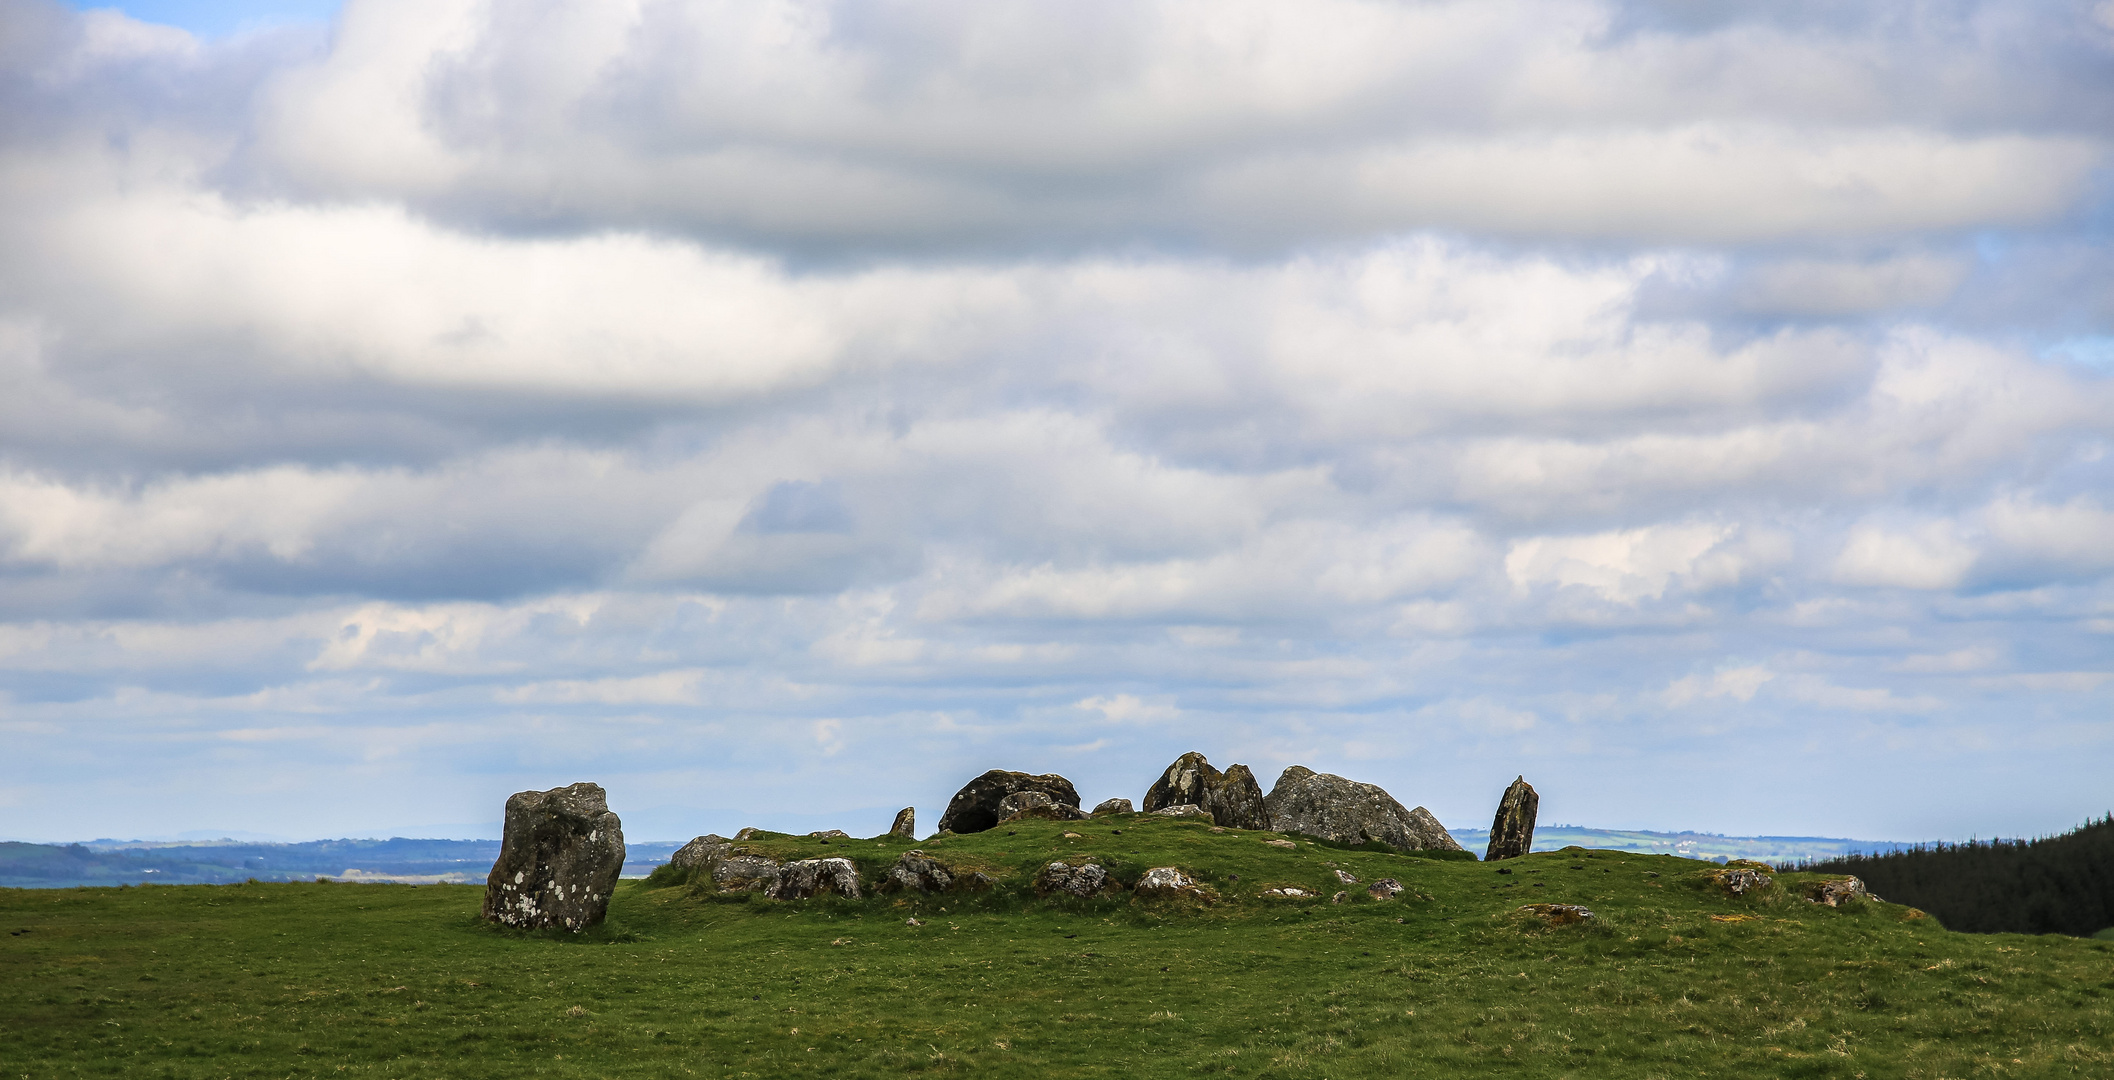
<point>1288,892</point>
<point>1512,832</point>
<point>1836,892</point>
<point>806,878</point>
<point>1232,798</point>
<point>1741,880</point>
<point>975,807</point>
<point>1558,914</point>
<point>1346,877</point>
<point>702,853</point>
<point>1113,806</point>
<point>906,823</point>
<point>1349,812</point>
<point>915,871</point>
<point>1167,881</point>
<point>746,873</point>
<point>1184,810</point>
<point>1085,880</point>
<point>1383,889</point>
<point>830,834</point>
<point>1024,805</point>
<point>1288,845</point>
<point>558,861</point>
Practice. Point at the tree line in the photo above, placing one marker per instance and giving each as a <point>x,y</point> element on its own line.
<point>2051,885</point>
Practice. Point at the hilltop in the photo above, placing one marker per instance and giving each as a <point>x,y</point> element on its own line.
<point>1672,975</point>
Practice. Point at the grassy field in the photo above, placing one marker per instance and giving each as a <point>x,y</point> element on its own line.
<point>1673,978</point>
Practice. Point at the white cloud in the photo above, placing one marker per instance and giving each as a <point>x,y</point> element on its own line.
<point>1928,556</point>
<point>1739,684</point>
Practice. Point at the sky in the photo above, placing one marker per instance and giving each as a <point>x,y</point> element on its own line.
<point>780,412</point>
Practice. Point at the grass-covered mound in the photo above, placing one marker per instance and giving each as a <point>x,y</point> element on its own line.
<point>1672,977</point>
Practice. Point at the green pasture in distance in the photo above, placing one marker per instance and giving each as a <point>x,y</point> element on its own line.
<point>1673,978</point>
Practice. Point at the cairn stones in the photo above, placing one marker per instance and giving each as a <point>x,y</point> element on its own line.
<point>1233,798</point>
<point>1512,833</point>
<point>906,823</point>
<point>702,853</point>
<point>560,857</point>
<point>975,807</point>
<point>1034,804</point>
<point>807,878</point>
<point>1348,812</point>
<point>1079,881</point>
<point>1113,806</point>
<point>1836,892</point>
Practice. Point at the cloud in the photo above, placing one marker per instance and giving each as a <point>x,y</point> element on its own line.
<point>849,398</point>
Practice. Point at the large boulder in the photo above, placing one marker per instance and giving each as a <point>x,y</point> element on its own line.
<point>906,823</point>
<point>1348,812</point>
<point>1034,804</point>
<point>747,873</point>
<point>1836,892</point>
<point>560,857</point>
<point>1233,797</point>
<point>1512,832</point>
<point>975,807</point>
<point>702,853</point>
<point>806,878</point>
<point>1113,806</point>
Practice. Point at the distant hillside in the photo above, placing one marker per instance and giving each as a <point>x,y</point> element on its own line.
<point>2053,885</point>
<point>1688,845</point>
<point>114,862</point>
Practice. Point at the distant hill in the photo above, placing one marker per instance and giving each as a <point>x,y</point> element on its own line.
<point>2053,885</point>
<point>1689,845</point>
<point>116,862</point>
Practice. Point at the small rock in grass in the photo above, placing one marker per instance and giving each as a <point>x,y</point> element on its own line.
<point>1558,914</point>
<point>1338,898</point>
<point>830,834</point>
<point>1286,892</point>
<point>913,922</point>
<point>1837,891</point>
<point>1060,877</point>
<point>1167,881</point>
<point>915,871</point>
<point>1286,844</point>
<point>1741,881</point>
<point>1113,806</point>
<point>1346,877</point>
<point>1184,810</point>
<point>1383,889</point>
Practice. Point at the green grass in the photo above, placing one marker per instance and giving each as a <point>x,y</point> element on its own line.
<point>1671,980</point>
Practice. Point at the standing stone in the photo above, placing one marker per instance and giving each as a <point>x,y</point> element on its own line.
<point>561,855</point>
<point>1512,833</point>
<point>1348,812</point>
<point>1233,798</point>
<point>975,807</point>
<point>906,823</point>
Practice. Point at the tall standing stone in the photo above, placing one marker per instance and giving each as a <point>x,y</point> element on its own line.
<point>1233,798</point>
<point>975,807</point>
<point>906,823</point>
<point>559,860</point>
<point>1512,832</point>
